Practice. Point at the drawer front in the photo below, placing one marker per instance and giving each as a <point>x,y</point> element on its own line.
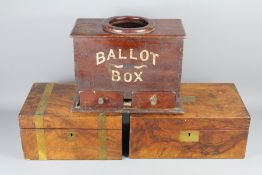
<point>187,144</point>
<point>147,100</point>
<point>101,99</point>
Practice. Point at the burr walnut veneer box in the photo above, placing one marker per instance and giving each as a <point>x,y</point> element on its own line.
<point>215,125</point>
<point>49,130</point>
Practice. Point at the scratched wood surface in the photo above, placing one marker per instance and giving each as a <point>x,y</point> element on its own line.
<point>58,110</point>
<point>129,62</point>
<point>91,27</point>
<point>109,99</point>
<point>145,100</point>
<point>86,144</point>
<point>216,111</point>
<point>51,131</point>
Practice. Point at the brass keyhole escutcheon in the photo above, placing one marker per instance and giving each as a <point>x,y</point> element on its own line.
<point>71,135</point>
<point>189,136</point>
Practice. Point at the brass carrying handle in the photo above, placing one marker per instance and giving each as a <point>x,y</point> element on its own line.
<point>128,25</point>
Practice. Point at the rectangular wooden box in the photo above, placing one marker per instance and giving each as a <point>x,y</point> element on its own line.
<point>49,130</point>
<point>215,125</point>
<point>119,58</point>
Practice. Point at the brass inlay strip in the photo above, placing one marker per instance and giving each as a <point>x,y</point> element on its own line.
<point>188,99</point>
<point>40,139</point>
<point>39,121</point>
<point>44,99</point>
<point>102,136</point>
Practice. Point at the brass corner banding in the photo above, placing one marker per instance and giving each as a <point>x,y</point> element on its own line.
<point>102,136</point>
<point>39,121</point>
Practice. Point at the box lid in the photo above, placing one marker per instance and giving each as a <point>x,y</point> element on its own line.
<point>93,27</point>
<point>48,105</point>
<point>216,106</point>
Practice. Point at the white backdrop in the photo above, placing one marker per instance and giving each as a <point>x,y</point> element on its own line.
<point>223,45</point>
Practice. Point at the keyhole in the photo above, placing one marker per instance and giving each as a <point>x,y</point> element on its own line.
<point>71,135</point>
<point>189,134</point>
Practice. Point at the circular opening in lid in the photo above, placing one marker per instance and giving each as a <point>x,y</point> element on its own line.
<point>128,22</point>
<point>128,25</point>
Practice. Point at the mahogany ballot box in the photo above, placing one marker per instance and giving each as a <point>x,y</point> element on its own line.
<point>128,64</point>
<point>215,125</point>
<point>49,130</point>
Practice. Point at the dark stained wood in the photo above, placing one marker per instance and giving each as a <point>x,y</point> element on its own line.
<point>92,27</point>
<point>128,25</point>
<point>149,100</point>
<point>94,137</point>
<point>128,62</point>
<point>101,99</point>
<point>217,113</point>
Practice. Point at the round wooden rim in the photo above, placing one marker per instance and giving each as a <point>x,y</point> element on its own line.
<point>108,27</point>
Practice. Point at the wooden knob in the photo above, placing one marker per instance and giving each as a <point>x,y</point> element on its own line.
<point>153,100</point>
<point>100,100</point>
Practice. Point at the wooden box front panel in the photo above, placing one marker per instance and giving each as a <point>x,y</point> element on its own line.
<point>71,144</point>
<point>148,100</point>
<point>50,130</point>
<point>215,125</point>
<point>101,99</point>
<point>128,64</point>
<point>161,143</point>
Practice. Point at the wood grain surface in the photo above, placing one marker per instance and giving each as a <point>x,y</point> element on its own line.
<point>92,27</point>
<point>49,130</point>
<point>145,100</point>
<point>58,110</point>
<point>87,144</point>
<point>126,63</point>
<point>216,111</point>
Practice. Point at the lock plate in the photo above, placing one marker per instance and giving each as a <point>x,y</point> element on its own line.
<point>189,136</point>
<point>71,135</point>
